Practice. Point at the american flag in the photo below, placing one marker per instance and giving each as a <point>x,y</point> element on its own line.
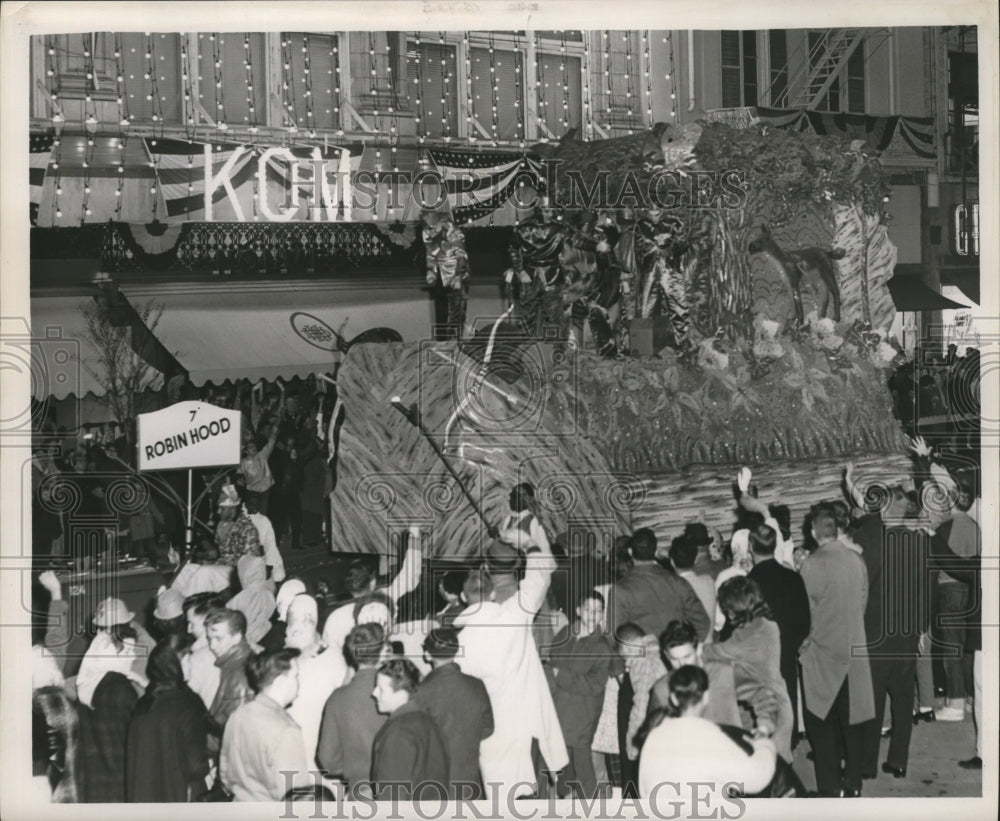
<point>40,153</point>
<point>495,177</point>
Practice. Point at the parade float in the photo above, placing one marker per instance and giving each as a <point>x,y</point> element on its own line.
<point>765,310</point>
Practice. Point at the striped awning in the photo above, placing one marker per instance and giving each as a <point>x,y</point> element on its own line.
<point>62,355</point>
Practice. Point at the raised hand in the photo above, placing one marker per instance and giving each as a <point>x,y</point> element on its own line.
<point>51,582</point>
<point>920,447</point>
<point>743,479</point>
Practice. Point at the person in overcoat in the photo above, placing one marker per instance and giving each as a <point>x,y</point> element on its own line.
<point>836,682</point>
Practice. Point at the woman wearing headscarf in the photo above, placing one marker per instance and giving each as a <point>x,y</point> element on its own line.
<point>103,730</point>
<point>274,639</point>
<point>754,650</point>
<point>167,755</point>
<point>121,645</point>
<point>255,600</point>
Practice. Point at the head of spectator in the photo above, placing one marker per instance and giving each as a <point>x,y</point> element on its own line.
<point>683,553</point>
<point>799,556</point>
<point>207,552</point>
<point>477,588</point>
<point>823,523</point>
<point>741,600</point>
<point>115,619</point>
<point>225,630</point>
<point>697,534</point>
<point>450,586</point>
<point>395,683</point>
<point>251,502</point>
<point>622,556</point>
<point>275,675</point>
<point>303,618</point>
<point>763,543</point>
<point>642,545</point>
<point>196,609</point>
<point>360,579</point>
<point>168,615</point>
<point>365,646</point>
<point>164,669</point>
<point>441,646</point>
<point>521,497</point>
<point>286,593</point>
<point>229,503</point>
<point>738,552</point>
<point>679,645</point>
<point>630,643</point>
<point>688,691</point>
<point>590,613</point>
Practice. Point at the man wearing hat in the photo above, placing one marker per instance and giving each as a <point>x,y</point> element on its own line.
<point>447,265</point>
<point>235,534</point>
<point>534,255</point>
<point>120,646</point>
<point>520,531</point>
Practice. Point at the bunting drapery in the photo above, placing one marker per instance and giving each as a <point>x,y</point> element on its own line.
<point>164,179</point>
<point>878,132</point>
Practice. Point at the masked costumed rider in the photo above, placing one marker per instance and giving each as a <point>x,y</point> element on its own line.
<point>447,266</point>
<point>534,255</point>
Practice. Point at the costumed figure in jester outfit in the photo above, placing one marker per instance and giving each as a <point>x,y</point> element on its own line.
<point>594,290</point>
<point>447,266</point>
<point>536,279</point>
<point>659,242</point>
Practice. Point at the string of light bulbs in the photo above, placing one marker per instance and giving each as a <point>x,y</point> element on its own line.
<point>446,75</point>
<point>220,93</point>
<point>123,123</point>
<point>393,107</point>
<point>543,104</point>
<point>333,86</point>
<point>152,97</point>
<point>90,125</point>
<point>288,82</point>
<point>647,71</point>
<point>373,68</point>
<point>629,75</point>
<point>671,75</point>
<point>251,115</point>
<point>495,92</point>
<point>421,125</point>
<point>606,66</point>
<point>585,70</point>
<point>519,90</point>
<point>307,81</point>
<point>564,77</point>
<point>470,109</point>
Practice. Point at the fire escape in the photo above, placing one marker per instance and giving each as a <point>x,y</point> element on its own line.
<point>823,62</point>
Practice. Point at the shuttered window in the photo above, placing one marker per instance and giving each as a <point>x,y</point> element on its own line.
<point>508,79</point>
<point>559,93</point>
<point>224,92</point>
<point>431,70</point>
<point>739,69</point>
<point>314,61</point>
<point>856,80</point>
<point>777,42</point>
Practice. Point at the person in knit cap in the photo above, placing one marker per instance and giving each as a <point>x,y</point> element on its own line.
<point>275,637</point>
<point>235,534</point>
<point>120,646</point>
<point>255,600</point>
<point>322,669</point>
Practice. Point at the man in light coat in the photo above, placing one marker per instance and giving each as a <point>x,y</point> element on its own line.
<point>836,677</point>
<point>497,647</point>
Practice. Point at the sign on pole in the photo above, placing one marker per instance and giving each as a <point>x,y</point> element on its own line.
<point>188,435</point>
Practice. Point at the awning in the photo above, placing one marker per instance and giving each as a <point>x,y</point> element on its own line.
<point>60,349</point>
<point>911,293</point>
<point>965,279</point>
<point>222,331</point>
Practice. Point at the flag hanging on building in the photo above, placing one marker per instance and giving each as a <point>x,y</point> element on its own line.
<point>482,182</point>
<point>40,153</point>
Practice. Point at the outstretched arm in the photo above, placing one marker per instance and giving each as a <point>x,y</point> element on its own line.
<point>748,502</point>
<point>408,576</point>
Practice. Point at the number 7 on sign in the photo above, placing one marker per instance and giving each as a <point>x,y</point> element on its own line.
<point>195,411</point>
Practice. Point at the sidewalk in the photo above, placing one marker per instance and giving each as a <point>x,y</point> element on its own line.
<point>933,771</point>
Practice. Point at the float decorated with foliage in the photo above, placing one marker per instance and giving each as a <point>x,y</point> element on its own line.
<point>773,297</point>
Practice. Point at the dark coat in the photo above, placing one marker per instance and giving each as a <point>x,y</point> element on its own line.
<point>409,752</point>
<point>898,585</point>
<point>167,755</point>
<point>460,706</point>
<point>103,731</point>
<point>584,666</point>
<point>966,570</point>
<point>785,594</point>
<point>652,597</point>
<point>234,691</point>
<point>350,724</point>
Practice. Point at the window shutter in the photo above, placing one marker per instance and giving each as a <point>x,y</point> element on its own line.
<point>232,96</point>
<point>321,79</point>
<point>778,48</point>
<point>551,94</point>
<point>505,79</point>
<point>167,56</point>
<point>749,68</point>
<point>856,80</point>
<point>731,70</point>
<point>437,115</point>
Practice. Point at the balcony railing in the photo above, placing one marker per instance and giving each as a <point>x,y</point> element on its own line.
<point>735,117</point>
